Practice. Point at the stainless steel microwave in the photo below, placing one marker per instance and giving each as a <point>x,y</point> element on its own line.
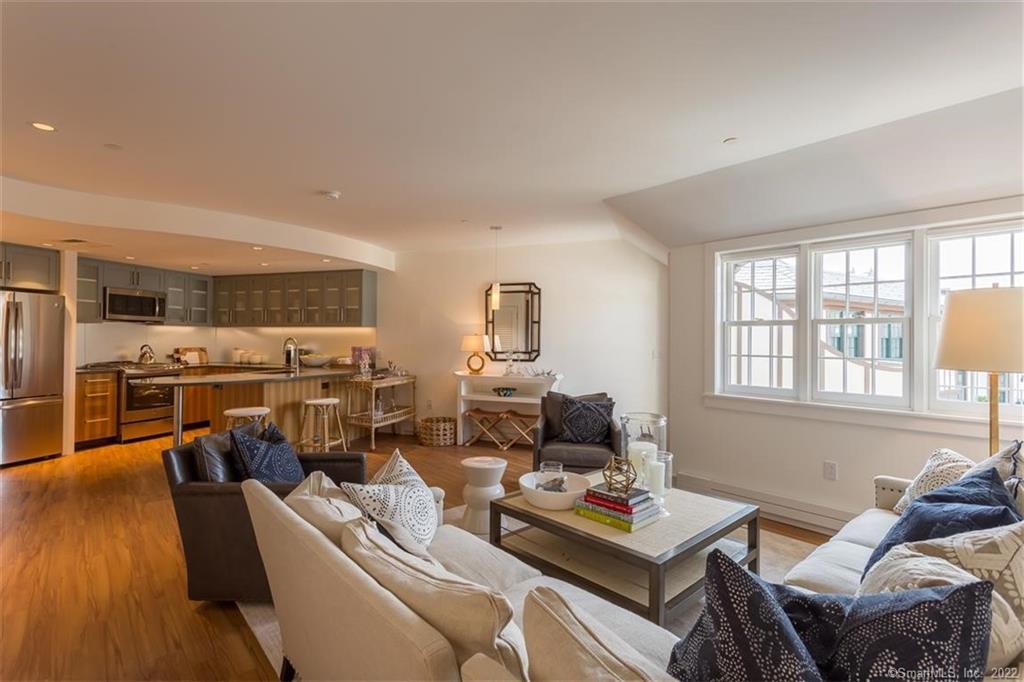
<point>134,305</point>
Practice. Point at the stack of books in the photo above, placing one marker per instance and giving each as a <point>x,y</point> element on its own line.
<point>625,511</point>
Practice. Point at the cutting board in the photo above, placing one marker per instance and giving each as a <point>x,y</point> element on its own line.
<point>193,355</point>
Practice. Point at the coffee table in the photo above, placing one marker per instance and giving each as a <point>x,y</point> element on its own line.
<point>653,571</point>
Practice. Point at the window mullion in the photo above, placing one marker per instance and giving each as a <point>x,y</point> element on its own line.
<point>802,343</point>
<point>918,381</point>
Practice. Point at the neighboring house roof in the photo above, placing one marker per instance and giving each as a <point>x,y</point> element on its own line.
<point>889,293</point>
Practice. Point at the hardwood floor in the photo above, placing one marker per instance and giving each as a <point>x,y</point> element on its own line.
<point>92,581</point>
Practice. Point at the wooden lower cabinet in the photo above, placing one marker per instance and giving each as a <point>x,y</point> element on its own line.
<point>95,406</point>
<point>226,396</point>
<point>197,398</point>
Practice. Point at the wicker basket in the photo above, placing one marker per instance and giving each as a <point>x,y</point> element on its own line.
<point>437,431</point>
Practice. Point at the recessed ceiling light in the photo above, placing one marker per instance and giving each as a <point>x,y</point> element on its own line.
<point>264,264</point>
<point>331,194</point>
<point>257,248</point>
<point>325,260</point>
<point>193,267</point>
<point>45,127</point>
<point>113,146</point>
<point>129,257</point>
<point>47,244</point>
<point>729,140</point>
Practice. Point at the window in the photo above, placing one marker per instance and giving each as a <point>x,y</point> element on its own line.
<point>861,317</point>
<point>972,261</point>
<point>760,323</point>
<point>833,321</point>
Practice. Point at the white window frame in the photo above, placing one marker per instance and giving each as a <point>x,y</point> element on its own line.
<point>724,323</point>
<point>992,215</point>
<point>817,252</point>
<point>934,404</point>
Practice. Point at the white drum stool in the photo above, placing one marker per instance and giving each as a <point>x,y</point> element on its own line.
<point>237,416</point>
<point>483,484</point>
<point>324,411</point>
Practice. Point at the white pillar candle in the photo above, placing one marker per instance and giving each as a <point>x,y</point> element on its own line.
<point>656,477</point>
<point>640,453</point>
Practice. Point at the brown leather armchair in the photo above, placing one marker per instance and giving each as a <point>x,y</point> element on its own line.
<point>577,457</point>
<point>221,556</point>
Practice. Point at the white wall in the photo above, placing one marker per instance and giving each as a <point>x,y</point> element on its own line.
<point>121,340</point>
<point>603,313</point>
<point>773,459</point>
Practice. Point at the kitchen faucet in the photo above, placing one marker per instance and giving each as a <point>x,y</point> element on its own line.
<point>291,353</point>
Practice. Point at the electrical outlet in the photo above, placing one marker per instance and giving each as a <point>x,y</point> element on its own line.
<point>831,471</point>
<point>430,405</point>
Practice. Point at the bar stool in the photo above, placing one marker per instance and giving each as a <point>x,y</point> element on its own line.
<point>237,416</point>
<point>323,410</point>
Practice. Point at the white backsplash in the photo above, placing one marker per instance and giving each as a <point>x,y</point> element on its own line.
<point>121,340</point>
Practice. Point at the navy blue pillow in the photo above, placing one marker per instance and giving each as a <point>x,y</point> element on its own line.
<point>742,634</point>
<point>976,502</point>
<point>266,461</point>
<point>878,636</point>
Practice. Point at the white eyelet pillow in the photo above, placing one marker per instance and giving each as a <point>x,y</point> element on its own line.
<point>400,501</point>
<point>944,466</point>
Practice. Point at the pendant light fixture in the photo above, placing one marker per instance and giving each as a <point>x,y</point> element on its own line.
<point>496,286</point>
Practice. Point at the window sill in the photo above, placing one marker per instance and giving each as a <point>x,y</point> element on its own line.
<point>898,419</point>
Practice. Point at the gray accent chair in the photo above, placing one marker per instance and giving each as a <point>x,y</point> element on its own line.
<point>576,457</point>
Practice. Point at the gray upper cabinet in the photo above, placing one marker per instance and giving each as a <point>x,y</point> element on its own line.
<point>223,297</point>
<point>341,298</point>
<point>28,267</point>
<point>199,294</point>
<point>274,296</point>
<point>177,306</point>
<point>127,276</point>
<point>360,297</point>
<point>188,298</point>
<point>90,291</point>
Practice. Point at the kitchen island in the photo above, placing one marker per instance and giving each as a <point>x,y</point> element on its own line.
<point>282,390</point>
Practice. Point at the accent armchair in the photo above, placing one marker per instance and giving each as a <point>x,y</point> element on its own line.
<point>221,556</point>
<point>576,457</point>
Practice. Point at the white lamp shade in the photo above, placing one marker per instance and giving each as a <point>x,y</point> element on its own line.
<point>475,343</point>
<point>982,330</point>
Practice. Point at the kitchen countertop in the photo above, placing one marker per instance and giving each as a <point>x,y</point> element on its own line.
<point>215,365</point>
<point>255,377</point>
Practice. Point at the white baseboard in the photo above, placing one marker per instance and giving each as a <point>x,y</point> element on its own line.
<point>774,507</point>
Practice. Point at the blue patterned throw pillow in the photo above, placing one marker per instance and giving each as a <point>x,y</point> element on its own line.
<point>751,630</point>
<point>977,501</point>
<point>743,634</point>
<point>265,460</point>
<point>585,421</point>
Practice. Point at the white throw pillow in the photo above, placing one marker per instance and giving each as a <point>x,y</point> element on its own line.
<point>994,554</point>
<point>1008,462</point>
<point>321,503</point>
<point>565,643</point>
<point>473,618</point>
<point>400,501</point>
<point>903,568</point>
<point>944,466</point>
<point>1015,486</point>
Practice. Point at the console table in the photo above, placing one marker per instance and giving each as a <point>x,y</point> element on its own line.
<point>475,393</point>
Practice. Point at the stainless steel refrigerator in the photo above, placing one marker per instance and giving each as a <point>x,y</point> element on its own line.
<point>31,375</point>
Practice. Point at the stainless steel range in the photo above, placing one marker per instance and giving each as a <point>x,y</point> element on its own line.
<point>144,410</point>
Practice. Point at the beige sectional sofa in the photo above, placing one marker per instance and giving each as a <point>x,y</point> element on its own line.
<point>836,566</point>
<point>337,622</point>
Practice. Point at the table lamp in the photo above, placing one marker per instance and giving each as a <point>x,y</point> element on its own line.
<point>475,344</point>
<point>982,331</point>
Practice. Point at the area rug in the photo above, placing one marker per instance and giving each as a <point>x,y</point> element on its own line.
<point>779,554</point>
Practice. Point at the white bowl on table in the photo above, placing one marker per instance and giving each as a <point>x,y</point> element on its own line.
<point>575,484</point>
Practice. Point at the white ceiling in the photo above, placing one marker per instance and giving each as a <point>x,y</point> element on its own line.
<point>424,115</point>
<point>959,154</point>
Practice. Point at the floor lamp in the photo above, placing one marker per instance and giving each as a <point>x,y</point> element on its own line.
<point>982,331</point>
